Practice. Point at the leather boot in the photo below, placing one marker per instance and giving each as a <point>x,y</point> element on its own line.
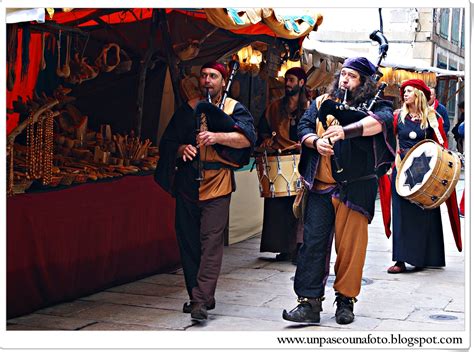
<point>307,311</point>
<point>345,309</point>
<point>198,311</point>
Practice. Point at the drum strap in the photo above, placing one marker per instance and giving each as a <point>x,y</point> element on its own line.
<point>398,161</point>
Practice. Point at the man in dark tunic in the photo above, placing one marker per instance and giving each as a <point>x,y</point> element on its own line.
<point>340,167</point>
<point>440,109</point>
<point>282,232</point>
<point>226,138</point>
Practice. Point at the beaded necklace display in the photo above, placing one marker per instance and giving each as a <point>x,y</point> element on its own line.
<point>48,148</point>
<point>30,144</point>
<point>39,141</point>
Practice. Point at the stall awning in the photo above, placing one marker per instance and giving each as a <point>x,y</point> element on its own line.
<point>317,51</point>
<point>16,15</point>
<point>289,23</point>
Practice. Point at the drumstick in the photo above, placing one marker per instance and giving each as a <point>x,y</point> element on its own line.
<point>293,146</point>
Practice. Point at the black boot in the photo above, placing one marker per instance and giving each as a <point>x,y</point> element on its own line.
<point>345,309</point>
<point>307,311</point>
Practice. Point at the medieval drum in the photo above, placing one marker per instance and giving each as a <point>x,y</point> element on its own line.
<point>278,175</point>
<point>428,174</point>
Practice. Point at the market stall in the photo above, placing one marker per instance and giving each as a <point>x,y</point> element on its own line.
<point>89,92</point>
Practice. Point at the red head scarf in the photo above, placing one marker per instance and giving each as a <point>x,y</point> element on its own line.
<point>216,66</point>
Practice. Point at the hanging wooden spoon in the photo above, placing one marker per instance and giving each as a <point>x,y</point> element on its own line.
<point>58,65</point>
<point>43,42</point>
<point>63,71</point>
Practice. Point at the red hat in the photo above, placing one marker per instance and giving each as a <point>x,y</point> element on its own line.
<point>418,84</point>
<point>216,66</point>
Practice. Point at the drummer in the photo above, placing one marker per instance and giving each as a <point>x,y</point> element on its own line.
<point>282,232</point>
<point>417,232</point>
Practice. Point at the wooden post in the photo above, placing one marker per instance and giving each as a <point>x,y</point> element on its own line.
<point>171,56</point>
<point>144,65</point>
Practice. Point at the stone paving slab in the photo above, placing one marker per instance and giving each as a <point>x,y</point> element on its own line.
<point>118,327</point>
<point>398,325</point>
<point>262,288</point>
<point>226,323</point>
<point>280,266</point>
<point>250,274</point>
<point>22,327</point>
<point>138,300</point>
<point>165,280</point>
<point>251,312</point>
<point>144,288</point>
<point>243,297</point>
<point>456,305</point>
<point>426,315</point>
<point>454,291</point>
<point>52,322</point>
<point>124,314</point>
<point>281,302</point>
<point>67,309</point>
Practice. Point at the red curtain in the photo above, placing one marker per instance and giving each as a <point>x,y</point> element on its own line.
<point>24,88</point>
<point>65,244</point>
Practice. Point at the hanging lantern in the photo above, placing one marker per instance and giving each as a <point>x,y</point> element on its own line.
<point>50,12</point>
<point>250,59</point>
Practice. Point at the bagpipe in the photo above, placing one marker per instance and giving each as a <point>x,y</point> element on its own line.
<point>345,114</point>
<point>218,121</point>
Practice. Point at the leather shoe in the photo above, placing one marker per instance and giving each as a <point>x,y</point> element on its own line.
<point>398,268</point>
<point>188,306</point>
<point>199,311</point>
<point>307,311</point>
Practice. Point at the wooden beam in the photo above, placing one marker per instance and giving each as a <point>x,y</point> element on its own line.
<point>56,27</point>
<point>171,56</point>
<point>94,15</point>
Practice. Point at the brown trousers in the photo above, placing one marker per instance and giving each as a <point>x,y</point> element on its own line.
<point>200,228</point>
<point>351,236</point>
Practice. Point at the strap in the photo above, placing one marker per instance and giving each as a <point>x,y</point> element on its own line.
<point>362,178</point>
<point>216,165</point>
<point>395,120</point>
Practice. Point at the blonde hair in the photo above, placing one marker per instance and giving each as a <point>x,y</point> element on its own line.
<point>422,108</point>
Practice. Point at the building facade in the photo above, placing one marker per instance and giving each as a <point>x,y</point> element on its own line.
<point>418,37</point>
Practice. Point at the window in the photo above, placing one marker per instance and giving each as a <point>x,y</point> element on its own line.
<point>451,107</point>
<point>455,27</point>
<point>440,90</point>
<point>444,23</point>
<point>462,30</point>
<point>442,62</point>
